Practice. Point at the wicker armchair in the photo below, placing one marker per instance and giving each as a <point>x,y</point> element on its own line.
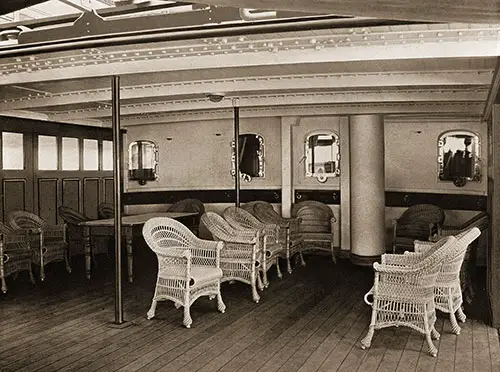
<point>75,233</point>
<point>273,247</point>
<point>448,292</point>
<point>241,256</point>
<point>190,205</point>
<point>289,228</point>
<point>419,222</point>
<point>316,227</point>
<point>48,242</point>
<point>480,221</point>
<point>403,292</point>
<point>15,254</point>
<point>188,267</point>
<point>105,211</point>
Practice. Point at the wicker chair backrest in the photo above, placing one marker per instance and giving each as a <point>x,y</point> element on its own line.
<point>24,220</point>
<point>106,210</point>
<point>188,205</point>
<point>218,226</point>
<point>311,203</point>
<point>72,216</point>
<point>240,217</point>
<point>4,229</point>
<point>314,219</point>
<point>415,222</point>
<point>163,233</point>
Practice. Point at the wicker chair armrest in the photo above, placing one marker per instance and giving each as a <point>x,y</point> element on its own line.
<point>180,252</point>
<point>207,255</point>
<point>396,260</point>
<point>421,246</point>
<point>394,270</point>
<point>54,231</point>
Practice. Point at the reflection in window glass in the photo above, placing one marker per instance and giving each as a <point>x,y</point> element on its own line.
<point>47,153</point>
<point>107,155</point>
<point>90,154</point>
<point>12,151</point>
<point>70,154</point>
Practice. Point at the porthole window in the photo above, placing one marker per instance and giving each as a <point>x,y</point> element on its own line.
<point>143,161</point>
<point>322,155</point>
<point>251,159</point>
<point>459,157</point>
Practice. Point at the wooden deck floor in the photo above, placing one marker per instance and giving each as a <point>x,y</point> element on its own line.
<point>311,320</point>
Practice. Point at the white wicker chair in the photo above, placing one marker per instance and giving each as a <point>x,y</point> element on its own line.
<point>289,228</point>
<point>48,242</point>
<point>188,267</point>
<point>273,247</point>
<point>15,254</point>
<point>448,291</point>
<point>403,292</point>
<point>242,254</point>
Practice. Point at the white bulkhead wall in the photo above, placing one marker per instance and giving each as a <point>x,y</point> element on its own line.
<point>196,155</point>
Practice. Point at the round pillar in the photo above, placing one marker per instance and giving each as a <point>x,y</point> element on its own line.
<point>367,188</point>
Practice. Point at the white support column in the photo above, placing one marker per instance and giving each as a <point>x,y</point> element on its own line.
<point>286,165</point>
<point>345,177</point>
<point>367,188</point>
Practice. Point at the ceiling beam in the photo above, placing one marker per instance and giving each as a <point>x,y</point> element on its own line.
<point>456,110</point>
<point>283,98</point>
<point>477,11</point>
<point>443,81</point>
<point>9,6</point>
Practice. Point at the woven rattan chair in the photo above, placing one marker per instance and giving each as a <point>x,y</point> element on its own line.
<point>15,254</point>
<point>242,254</point>
<point>316,226</point>
<point>48,242</point>
<point>481,221</point>
<point>273,248</point>
<point>75,233</point>
<point>289,228</point>
<point>188,267</point>
<point>403,292</point>
<point>419,222</point>
<point>105,211</point>
<point>190,205</point>
<point>447,291</point>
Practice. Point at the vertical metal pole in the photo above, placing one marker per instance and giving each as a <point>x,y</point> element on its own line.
<point>236,108</point>
<point>117,175</point>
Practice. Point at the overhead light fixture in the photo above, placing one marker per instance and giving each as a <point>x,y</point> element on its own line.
<point>216,97</point>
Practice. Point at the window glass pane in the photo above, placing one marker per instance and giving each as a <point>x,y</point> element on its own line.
<point>12,151</point>
<point>107,155</point>
<point>47,153</point>
<point>90,155</point>
<point>70,154</point>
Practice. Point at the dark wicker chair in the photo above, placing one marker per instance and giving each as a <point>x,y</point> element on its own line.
<point>190,206</point>
<point>72,218</point>
<point>48,242</point>
<point>419,222</point>
<point>105,210</point>
<point>316,226</point>
<point>15,254</point>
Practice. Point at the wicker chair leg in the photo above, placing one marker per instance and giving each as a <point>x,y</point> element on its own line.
<point>68,265</point>
<point>152,309</point>
<point>264,273</point>
<point>32,277</point>
<point>454,324</point>
<point>260,283</point>
<point>278,270</point>
<point>302,261</point>
<point>288,263</point>
<point>42,272</point>
<point>4,285</point>
<point>461,314</point>
<point>435,334</point>
<point>255,294</point>
<point>221,306</point>
<point>431,348</point>
<point>187,316</point>
<point>366,342</point>
<point>334,259</point>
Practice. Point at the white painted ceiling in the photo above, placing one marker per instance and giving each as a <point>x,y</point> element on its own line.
<point>395,68</point>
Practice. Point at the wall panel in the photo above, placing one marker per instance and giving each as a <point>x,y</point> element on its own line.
<point>90,197</point>
<point>71,193</point>
<point>14,191</point>
<point>47,199</point>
